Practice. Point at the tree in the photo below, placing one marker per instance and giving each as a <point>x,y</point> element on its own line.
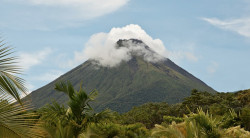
<point>71,121</point>
<point>196,125</point>
<point>79,109</point>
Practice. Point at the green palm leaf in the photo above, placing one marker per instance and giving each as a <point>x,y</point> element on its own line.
<point>16,120</point>
<point>9,83</point>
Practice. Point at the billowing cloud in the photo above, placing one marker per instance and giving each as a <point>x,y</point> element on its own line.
<point>102,47</point>
<point>27,60</point>
<point>240,26</point>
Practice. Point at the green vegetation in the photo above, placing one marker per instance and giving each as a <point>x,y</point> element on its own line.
<point>158,120</point>
<point>130,84</point>
<point>228,107</point>
<point>71,121</point>
<point>10,85</point>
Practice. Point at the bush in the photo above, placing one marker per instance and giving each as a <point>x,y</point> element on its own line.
<point>110,130</point>
<point>170,119</point>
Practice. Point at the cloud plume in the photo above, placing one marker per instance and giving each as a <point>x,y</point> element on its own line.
<point>102,47</point>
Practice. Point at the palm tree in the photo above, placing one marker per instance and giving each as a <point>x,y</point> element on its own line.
<point>70,122</point>
<point>79,109</point>
<point>15,118</point>
<point>236,132</point>
<point>204,123</point>
<point>196,125</point>
<point>171,131</point>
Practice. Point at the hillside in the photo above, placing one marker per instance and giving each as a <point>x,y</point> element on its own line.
<point>132,83</point>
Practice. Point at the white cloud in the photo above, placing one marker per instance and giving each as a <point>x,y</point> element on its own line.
<point>83,8</point>
<point>51,14</point>
<point>212,68</point>
<point>240,26</point>
<point>49,76</point>
<point>102,47</point>
<point>27,60</point>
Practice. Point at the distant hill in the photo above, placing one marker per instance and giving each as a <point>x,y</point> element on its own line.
<point>132,83</point>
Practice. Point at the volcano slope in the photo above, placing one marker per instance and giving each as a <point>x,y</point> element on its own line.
<point>131,83</point>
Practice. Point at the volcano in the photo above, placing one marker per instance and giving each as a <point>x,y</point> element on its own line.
<point>144,77</point>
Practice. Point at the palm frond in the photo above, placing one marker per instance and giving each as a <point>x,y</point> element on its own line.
<point>202,124</point>
<point>9,83</point>
<point>52,111</point>
<point>171,131</point>
<point>18,121</point>
<point>79,100</point>
<point>67,88</point>
<point>236,132</point>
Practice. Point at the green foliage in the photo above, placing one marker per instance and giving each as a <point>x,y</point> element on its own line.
<point>148,114</point>
<point>9,83</point>
<point>143,121</point>
<point>71,121</point>
<point>245,117</point>
<point>110,130</point>
<point>78,100</point>
<point>217,104</point>
<point>170,119</point>
<point>244,97</point>
<point>56,120</point>
<point>52,111</point>
<point>171,131</point>
<point>228,110</point>
<point>235,132</point>
<point>218,109</point>
<point>230,119</point>
<point>206,124</point>
<point>198,125</point>
<point>16,121</point>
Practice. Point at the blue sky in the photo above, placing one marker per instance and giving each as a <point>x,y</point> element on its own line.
<point>210,39</point>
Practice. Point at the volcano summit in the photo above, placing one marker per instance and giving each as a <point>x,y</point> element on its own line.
<point>142,76</point>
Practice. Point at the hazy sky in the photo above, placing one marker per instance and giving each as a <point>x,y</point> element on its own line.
<point>208,38</point>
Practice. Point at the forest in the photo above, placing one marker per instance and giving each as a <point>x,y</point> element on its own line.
<point>199,115</point>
